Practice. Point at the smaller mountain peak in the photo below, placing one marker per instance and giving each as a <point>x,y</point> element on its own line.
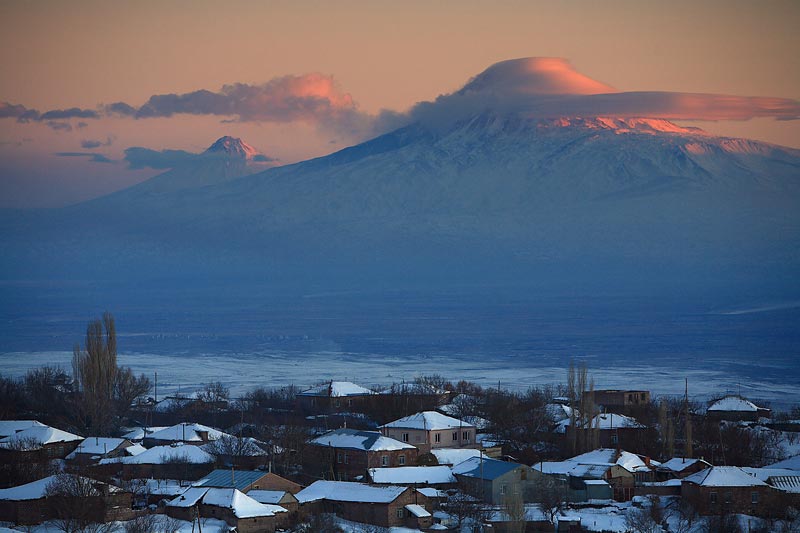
<point>233,147</point>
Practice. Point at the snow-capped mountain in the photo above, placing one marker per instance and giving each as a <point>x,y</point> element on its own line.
<point>473,193</point>
<point>232,147</point>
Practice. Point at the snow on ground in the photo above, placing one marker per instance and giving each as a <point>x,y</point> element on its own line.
<point>244,371</point>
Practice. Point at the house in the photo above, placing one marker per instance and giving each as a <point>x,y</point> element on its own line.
<point>237,509</point>
<point>347,454</point>
<point>242,480</point>
<point>9,427</point>
<point>453,456</point>
<point>491,479</point>
<point>618,400</point>
<point>783,479</point>
<point>285,499</point>
<point>386,506</point>
<point>729,489</point>
<point>792,463</point>
<point>429,430</point>
<point>334,396</point>
<point>35,502</point>
<point>737,408</point>
<point>39,442</point>
<point>680,467</point>
<point>187,433</point>
<point>424,476</point>
<point>620,469</point>
<point>92,449</point>
<point>613,430</point>
<point>138,434</point>
<point>178,461</point>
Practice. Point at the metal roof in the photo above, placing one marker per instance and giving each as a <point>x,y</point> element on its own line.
<point>237,479</point>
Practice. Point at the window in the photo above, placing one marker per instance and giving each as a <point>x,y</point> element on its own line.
<point>642,396</point>
<point>338,457</point>
<point>349,402</point>
<point>401,460</point>
<point>336,403</point>
<point>466,436</point>
<point>405,437</point>
<point>614,439</point>
<point>754,498</point>
<point>399,512</point>
<point>713,498</point>
<point>455,435</point>
<point>630,397</point>
<point>503,488</point>
<point>384,460</point>
<point>437,437</point>
<point>346,459</point>
<point>728,497</point>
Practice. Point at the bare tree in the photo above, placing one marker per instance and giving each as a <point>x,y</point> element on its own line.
<point>514,508</point>
<point>77,503</point>
<point>106,390</point>
<point>550,496</point>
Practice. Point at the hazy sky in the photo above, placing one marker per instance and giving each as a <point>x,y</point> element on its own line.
<point>301,79</point>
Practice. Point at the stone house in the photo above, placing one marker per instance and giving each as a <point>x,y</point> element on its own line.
<point>380,506</point>
<point>729,489</point>
<point>491,480</point>
<point>736,408</point>
<point>231,505</point>
<point>346,454</point>
<point>334,397</point>
<point>430,429</point>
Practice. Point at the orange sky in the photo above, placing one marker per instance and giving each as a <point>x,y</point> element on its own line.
<point>385,55</point>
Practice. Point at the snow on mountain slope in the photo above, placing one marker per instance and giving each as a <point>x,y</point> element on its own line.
<point>490,193</point>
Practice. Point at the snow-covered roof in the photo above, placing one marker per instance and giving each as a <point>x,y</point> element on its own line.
<point>346,491</point>
<point>679,464</point>
<point>158,455</point>
<point>428,420</point>
<point>172,404</point>
<point>594,463</point>
<point>724,476</point>
<point>792,463</point>
<point>37,489</point>
<point>34,437</point>
<point>337,389</point>
<point>484,469</point>
<point>453,456</point>
<point>136,449</point>
<point>248,447</point>
<point>790,483</point>
<point>185,432</point>
<point>165,487</point>
<point>558,411</point>
<point>241,504</point>
<point>97,446</point>
<point>9,427</point>
<point>596,482</point>
<point>604,421</point>
<point>139,433</point>
<point>432,493</point>
<point>360,440</point>
<point>765,473</point>
<point>269,496</point>
<point>417,510</point>
<point>410,475</point>
<point>733,403</point>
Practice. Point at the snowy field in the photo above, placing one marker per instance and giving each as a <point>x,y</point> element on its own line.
<point>256,338</point>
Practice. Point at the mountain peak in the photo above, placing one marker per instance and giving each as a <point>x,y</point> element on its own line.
<point>233,147</point>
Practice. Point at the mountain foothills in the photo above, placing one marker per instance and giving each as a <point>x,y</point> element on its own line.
<point>486,193</point>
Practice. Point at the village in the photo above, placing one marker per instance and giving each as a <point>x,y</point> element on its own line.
<point>426,455</point>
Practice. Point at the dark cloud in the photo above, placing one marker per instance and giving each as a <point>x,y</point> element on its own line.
<point>11,110</point>
<point>93,157</point>
<point>91,144</point>
<point>72,112</point>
